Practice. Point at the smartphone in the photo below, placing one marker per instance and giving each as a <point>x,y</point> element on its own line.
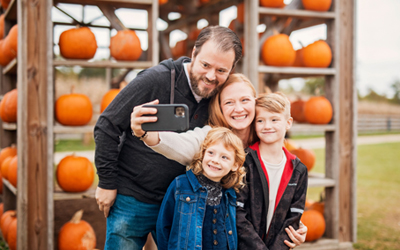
<point>171,117</point>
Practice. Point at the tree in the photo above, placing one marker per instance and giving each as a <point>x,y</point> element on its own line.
<point>315,86</point>
<point>396,87</point>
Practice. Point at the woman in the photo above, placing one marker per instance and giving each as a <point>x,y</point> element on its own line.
<point>232,107</point>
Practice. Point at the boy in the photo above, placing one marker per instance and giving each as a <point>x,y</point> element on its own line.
<point>275,192</point>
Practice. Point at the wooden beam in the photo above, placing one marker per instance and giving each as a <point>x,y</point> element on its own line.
<point>250,60</point>
<point>35,114</point>
<point>109,12</point>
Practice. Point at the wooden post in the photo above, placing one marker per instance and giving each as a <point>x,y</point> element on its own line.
<point>250,60</point>
<point>35,118</point>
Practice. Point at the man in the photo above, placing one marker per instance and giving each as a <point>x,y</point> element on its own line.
<point>133,178</point>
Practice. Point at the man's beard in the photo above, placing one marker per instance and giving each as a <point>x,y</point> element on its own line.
<point>205,93</point>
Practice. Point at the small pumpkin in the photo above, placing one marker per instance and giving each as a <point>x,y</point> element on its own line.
<point>76,234</point>
<point>73,109</point>
<point>315,223</point>
<point>1,208</point>
<point>125,46</point>
<point>277,50</point>
<point>10,105</point>
<point>240,12</point>
<point>5,56</point>
<point>12,234</point>
<point>5,221</point>
<point>1,26</point>
<point>6,152</point>
<point>5,3</point>
<point>180,49</point>
<point>272,3</point>
<point>109,96</point>
<point>298,62</point>
<point>11,42</point>
<point>318,110</point>
<point>318,206</point>
<point>297,111</point>
<point>4,167</point>
<point>161,2</point>
<point>12,172</point>
<point>1,191</point>
<point>78,43</point>
<point>75,174</point>
<point>289,144</point>
<point>194,34</point>
<point>204,1</point>
<point>317,5</point>
<point>317,54</point>
<point>306,156</point>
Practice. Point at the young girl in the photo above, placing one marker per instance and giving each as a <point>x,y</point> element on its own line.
<point>199,208</point>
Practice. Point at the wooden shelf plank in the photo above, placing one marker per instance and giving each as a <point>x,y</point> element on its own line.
<point>296,13</point>
<point>9,126</point>
<point>321,244</point>
<point>59,129</point>
<point>314,181</point>
<point>11,68</point>
<point>10,186</point>
<point>300,71</point>
<point>134,4</point>
<point>60,195</point>
<point>103,64</point>
<point>310,127</point>
<point>11,12</point>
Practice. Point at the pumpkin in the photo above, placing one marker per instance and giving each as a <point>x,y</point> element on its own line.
<point>272,3</point>
<point>12,172</point>
<point>315,223</point>
<point>5,221</point>
<point>204,1</point>
<point>317,54</point>
<point>5,56</point>
<point>9,110</point>
<point>1,26</point>
<point>318,110</point>
<point>125,46</point>
<point>12,234</point>
<point>78,43</point>
<point>318,206</point>
<point>1,190</point>
<point>75,174</point>
<point>240,12</point>
<point>11,42</point>
<point>308,203</point>
<point>1,208</point>
<point>5,3</point>
<point>277,50</point>
<point>306,156</point>
<point>73,109</point>
<point>298,62</point>
<point>110,95</point>
<point>76,234</point>
<point>317,5</point>
<point>4,167</point>
<point>161,2</point>
<point>194,34</point>
<point>297,111</point>
<point>289,144</point>
<point>179,49</point>
<point>6,152</point>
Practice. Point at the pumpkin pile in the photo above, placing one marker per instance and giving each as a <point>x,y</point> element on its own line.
<point>317,110</point>
<point>8,106</point>
<point>77,234</point>
<point>8,225</point>
<point>75,174</point>
<point>125,46</point>
<point>78,43</point>
<point>8,45</point>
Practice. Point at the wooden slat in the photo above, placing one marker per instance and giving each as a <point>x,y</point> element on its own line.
<point>60,195</point>
<point>314,128</point>
<point>103,64</point>
<point>321,244</point>
<point>10,186</point>
<point>296,13</point>
<point>251,46</point>
<point>320,182</point>
<point>59,129</point>
<point>11,12</point>
<point>11,68</point>
<point>9,126</point>
<point>109,12</point>
<point>298,71</point>
<point>134,4</point>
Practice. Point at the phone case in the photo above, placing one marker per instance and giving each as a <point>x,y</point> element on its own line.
<point>169,118</point>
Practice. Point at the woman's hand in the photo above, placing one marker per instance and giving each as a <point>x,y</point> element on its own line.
<point>298,237</point>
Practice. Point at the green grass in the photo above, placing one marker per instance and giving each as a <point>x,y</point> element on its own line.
<point>300,137</point>
<point>378,196</point>
<point>73,145</point>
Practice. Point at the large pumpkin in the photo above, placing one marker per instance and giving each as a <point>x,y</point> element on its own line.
<point>317,54</point>
<point>5,221</point>
<point>306,156</point>
<point>12,234</point>
<point>298,62</point>
<point>110,95</point>
<point>1,26</point>
<point>9,108</point>
<point>315,223</point>
<point>6,152</point>
<point>125,46</point>
<point>272,3</point>
<point>78,43</point>
<point>11,41</point>
<point>5,55</point>
<point>297,111</point>
<point>76,234</point>
<point>5,166</point>
<point>318,206</point>
<point>73,109</point>
<point>75,174</point>
<point>277,50</point>
<point>317,5</point>
<point>12,172</point>
<point>318,110</point>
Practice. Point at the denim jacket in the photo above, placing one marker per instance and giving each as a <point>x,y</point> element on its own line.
<point>180,221</point>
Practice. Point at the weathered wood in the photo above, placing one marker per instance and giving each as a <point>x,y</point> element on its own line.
<point>11,68</point>
<point>109,12</point>
<point>298,127</point>
<point>11,12</point>
<point>250,60</point>
<point>35,214</point>
<point>135,4</point>
<point>347,123</point>
<point>296,13</point>
<point>154,46</point>
<point>59,129</point>
<point>103,64</point>
<point>297,71</point>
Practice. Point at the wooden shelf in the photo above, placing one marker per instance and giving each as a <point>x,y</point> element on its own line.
<point>11,12</point>
<point>59,129</point>
<point>319,180</point>
<point>314,128</point>
<point>133,4</point>
<point>321,244</point>
<point>10,186</point>
<point>9,126</point>
<point>298,71</point>
<point>11,68</point>
<point>61,195</point>
<point>103,64</point>
<point>296,13</point>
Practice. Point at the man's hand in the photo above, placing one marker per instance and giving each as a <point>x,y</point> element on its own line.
<point>105,199</point>
<point>137,118</point>
<point>298,237</point>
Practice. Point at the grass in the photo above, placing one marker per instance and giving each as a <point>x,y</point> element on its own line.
<point>73,145</point>
<point>378,196</point>
<point>300,137</point>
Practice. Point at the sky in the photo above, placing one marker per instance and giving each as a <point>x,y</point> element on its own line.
<point>377,39</point>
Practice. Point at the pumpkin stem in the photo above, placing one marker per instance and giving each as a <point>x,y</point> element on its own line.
<point>77,217</point>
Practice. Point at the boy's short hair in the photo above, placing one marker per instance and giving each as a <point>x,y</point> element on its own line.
<point>274,102</point>
<point>234,179</point>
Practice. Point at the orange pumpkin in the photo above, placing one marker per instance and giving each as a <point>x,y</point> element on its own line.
<point>5,221</point>
<point>318,110</point>
<point>11,42</point>
<point>194,34</point>
<point>125,46</point>
<point>204,1</point>
<point>5,3</point>
<point>6,152</point>
<point>179,49</point>
<point>12,234</point>
<point>1,26</point>
<point>318,206</point>
<point>315,223</point>
<point>298,62</point>
<point>12,172</point>
<point>5,56</point>
<point>9,111</point>
<point>317,54</point>
<point>297,111</point>
<point>161,2</point>
<point>289,144</point>
<point>240,12</point>
<point>317,5</point>
<point>1,209</point>
<point>75,174</point>
<point>277,50</point>
<point>4,167</point>
<point>306,156</point>
<point>272,3</point>
<point>1,191</point>
<point>73,109</point>
<point>76,234</point>
<point>78,43</point>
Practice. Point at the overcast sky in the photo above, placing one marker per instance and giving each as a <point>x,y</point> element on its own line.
<point>377,38</point>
